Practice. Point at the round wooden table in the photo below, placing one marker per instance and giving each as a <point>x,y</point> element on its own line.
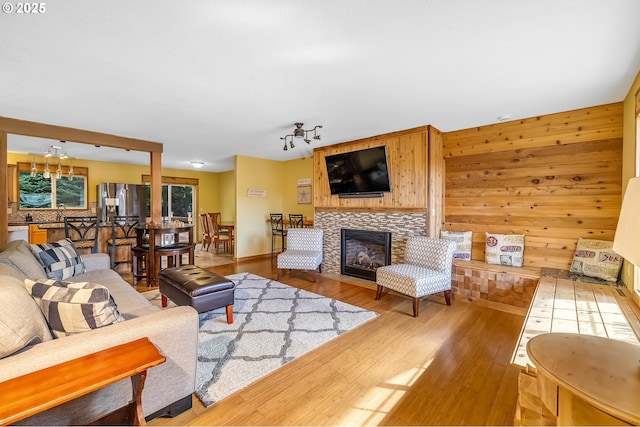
<point>597,380</point>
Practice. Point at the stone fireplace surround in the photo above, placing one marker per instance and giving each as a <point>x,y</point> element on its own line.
<point>402,225</point>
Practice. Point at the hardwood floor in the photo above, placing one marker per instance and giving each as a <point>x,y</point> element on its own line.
<point>450,366</point>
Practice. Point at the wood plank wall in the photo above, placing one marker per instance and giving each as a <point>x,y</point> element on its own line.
<point>416,165</point>
<point>553,178</point>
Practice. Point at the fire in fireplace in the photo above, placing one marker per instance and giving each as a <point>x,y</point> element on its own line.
<point>363,251</point>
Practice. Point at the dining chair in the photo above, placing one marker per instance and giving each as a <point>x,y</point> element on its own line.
<point>123,234</point>
<point>426,270</point>
<point>218,238</point>
<point>277,229</point>
<point>207,234</point>
<point>82,231</point>
<point>216,218</point>
<point>296,221</point>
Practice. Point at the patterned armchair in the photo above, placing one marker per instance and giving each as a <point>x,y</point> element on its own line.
<point>426,271</point>
<point>304,251</point>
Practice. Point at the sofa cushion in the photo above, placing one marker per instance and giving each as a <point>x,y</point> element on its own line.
<point>18,255</point>
<point>596,258</point>
<point>504,249</point>
<point>71,308</point>
<point>60,259</point>
<point>463,240</point>
<point>21,321</point>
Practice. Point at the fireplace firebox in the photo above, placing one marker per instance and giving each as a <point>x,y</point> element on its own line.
<point>363,251</point>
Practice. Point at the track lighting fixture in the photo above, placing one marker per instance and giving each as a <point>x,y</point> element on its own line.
<point>299,132</point>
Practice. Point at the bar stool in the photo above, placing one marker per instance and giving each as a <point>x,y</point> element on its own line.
<point>82,231</point>
<point>277,229</point>
<point>123,234</point>
<point>296,221</point>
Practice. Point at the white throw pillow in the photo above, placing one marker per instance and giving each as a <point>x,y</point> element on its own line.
<point>504,249</point>
<point>463,240</point>
<point>596,258</point>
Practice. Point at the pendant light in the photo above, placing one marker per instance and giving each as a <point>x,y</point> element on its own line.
<point>34,168</point>
<point>59,170</point>
<point>47,172</point>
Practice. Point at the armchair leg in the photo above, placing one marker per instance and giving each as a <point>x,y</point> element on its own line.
<point>447,297</point>
<point>315,277</point>
<point>379,292</point>
<point>416,306</point>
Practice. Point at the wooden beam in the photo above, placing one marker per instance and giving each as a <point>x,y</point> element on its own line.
<point>42,130</point>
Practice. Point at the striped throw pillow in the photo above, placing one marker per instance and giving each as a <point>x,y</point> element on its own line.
<point>72,308</point>
<point>60,260</point>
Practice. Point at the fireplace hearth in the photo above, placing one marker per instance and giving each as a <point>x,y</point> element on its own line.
<point>363,251</point>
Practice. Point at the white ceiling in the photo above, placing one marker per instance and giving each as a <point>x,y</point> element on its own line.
<point>215,78</point>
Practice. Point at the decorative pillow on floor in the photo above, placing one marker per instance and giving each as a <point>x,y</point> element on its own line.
<point>596,258</point>
<point>60,259</point>
<point>71,308</point>
<point>504,249</point>
<point>463,240</point>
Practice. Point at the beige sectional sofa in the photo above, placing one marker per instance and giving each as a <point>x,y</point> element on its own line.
<point>173,331</point>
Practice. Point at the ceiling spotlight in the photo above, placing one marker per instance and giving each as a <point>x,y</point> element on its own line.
<point>504,117</point>
<point>197,165</point>
<point>299,132</point>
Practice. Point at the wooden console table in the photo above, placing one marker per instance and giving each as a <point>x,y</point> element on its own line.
<point>29,394</point>
<point>563,305</point>
<point>587,380</point>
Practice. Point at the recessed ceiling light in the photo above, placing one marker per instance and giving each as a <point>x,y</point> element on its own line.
<point>504,117</point>
<point>197,165</point>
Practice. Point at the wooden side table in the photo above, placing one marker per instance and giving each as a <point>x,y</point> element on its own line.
<point>587,380</point>
<point>29,394</point>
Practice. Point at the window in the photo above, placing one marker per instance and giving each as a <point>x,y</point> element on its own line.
<point>38,192</point>
<point>178,197</point>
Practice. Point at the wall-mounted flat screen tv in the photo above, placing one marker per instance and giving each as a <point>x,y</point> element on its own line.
<point>362,173</point>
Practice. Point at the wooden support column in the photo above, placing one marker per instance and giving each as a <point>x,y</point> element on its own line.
<point>156,187</point>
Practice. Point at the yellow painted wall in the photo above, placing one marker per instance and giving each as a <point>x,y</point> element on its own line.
<point>629,155</point>
<point>293,171</point>
<point>227,195</point>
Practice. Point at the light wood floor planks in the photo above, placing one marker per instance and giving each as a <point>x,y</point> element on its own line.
<point>450,366</point>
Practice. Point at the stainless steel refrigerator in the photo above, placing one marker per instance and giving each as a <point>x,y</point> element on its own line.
<point>120,199</point>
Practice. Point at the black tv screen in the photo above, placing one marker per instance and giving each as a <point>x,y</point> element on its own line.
<point>359,173</point>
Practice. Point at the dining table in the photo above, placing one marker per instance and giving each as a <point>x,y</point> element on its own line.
<point>165,240</point>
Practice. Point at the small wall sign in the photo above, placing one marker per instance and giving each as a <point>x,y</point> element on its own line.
<point>256,192</point>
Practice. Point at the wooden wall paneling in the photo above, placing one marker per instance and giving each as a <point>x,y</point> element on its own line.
<point>436,188</point>
<point>587,124</point>
<point>506,178</point>
<point>407,153</point>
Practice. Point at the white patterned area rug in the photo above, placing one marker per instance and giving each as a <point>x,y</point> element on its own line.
<point>273,324</point>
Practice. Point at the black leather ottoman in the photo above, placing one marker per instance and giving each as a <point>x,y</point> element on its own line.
<point>197,287</point>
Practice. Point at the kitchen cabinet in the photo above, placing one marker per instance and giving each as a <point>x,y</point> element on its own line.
<point>37,235</point>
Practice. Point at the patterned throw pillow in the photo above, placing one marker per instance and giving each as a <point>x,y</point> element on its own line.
<point>463,240</point>
<point>71,308</point>
<point>504,249</point>
<point>60,259</point>
<point>596,258</point>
